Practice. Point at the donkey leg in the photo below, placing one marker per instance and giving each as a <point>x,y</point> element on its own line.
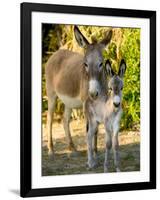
<point>108,141</point>
<point>90,135</point>
<point>66,120</point>
<point>95,143</point>
<point>94,140</point>
<point>116,152</point>
<point>51,106</point>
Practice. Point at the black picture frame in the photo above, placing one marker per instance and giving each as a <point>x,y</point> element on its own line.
<point>26,105</point>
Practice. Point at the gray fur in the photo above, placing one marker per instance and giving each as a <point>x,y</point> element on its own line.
<point>105,110</point>
<point>67,77</point>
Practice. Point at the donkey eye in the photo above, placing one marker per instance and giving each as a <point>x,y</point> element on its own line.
<point>100,65</point>
<point>85,64</point>
<point>110,88</point>
<point>121,88</point>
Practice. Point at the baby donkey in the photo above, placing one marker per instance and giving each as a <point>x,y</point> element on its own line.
<point>106,109</point>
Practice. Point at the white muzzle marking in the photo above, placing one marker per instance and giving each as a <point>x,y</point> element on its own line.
<point>93,86</point>
<point>116,99</point>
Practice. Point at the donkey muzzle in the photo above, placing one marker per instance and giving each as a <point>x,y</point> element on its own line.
<point>94,88</point>
<point>116,104</point>
<point>116,101</point>
<point>94,95</point>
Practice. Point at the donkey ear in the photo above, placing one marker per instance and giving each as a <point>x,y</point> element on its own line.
<point>107,38</point>
<point>122,68</point>
<point>109,69</point>
<point>81,40</point>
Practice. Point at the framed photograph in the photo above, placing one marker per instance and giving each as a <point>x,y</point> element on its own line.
<point>88,99</point>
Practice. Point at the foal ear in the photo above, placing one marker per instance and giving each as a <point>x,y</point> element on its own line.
<point>109,69</point>
<point>107,38</point>
<point>122,68</point>
<point>81,40</point>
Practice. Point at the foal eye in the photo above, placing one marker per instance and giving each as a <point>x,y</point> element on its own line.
<point>121,88</point>
<point>85,64</point>
<point>110,89</point>
<point>100,65</point>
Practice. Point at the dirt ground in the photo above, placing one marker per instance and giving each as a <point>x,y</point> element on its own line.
<point>66,162</point>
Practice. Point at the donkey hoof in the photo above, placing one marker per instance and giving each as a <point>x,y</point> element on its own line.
<point>93,164</point>
<point>72,148</point>
<point>51,155</point>
<point>105,169</point>
<point>118,170</point>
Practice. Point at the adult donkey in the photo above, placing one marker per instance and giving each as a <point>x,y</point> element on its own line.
<point>73,77</point>
<point>106,109</point>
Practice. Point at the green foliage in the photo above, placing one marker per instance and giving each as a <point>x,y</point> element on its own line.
<point>131,94</point>
<point>128,47</point>
<point>125,44</point>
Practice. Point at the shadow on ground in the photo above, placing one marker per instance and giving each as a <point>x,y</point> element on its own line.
<point>66,162</point>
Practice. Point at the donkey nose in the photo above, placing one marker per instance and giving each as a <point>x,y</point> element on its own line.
<point>94,95</point>
<point>116,104</point>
